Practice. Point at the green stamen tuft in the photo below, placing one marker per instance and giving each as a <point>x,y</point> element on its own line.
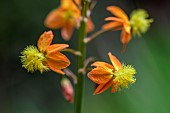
<point>124,76</point>
<point>139,22</point>
<point>32,59</point>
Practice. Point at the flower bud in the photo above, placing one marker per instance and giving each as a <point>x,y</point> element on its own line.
<point>67,90</point>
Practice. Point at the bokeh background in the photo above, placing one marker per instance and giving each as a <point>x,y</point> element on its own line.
<point>21,24</point>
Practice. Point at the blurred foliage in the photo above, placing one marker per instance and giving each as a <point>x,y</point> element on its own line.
<point>21,23</point>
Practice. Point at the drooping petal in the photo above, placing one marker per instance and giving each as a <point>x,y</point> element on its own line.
<point>56,47</point>
<point>103,87</point>
<point>118,12</point>
<point>56,70</point>
<point>115,62</point>
<point>67,31</point>
<point>57,61</point>
<point>45,40</point>
<point>90,26</point>
<point>125,38</point>
<point>100,75</point>
<point>112,26</point>
<point>54,19</point>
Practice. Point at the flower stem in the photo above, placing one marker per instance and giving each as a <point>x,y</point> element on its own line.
<point>80,60</point>
<point>93,36</point>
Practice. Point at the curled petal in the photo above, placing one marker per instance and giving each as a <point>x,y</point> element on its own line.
<point>45,40</point>
<point>112,26</point>
<point>67,31</point>
<point>125,38</point>
<point>118,12</point>
<point>115,62</point>
<point>103,87</point>
<point>57,61</point>
<point>100,75</point>
<point>54,19</point>
<point>56,47</point>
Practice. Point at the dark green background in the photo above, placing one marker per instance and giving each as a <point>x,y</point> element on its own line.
<point>21,24</point>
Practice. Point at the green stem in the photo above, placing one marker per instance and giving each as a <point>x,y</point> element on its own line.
<point>81,59</point>
<point>93,36</point>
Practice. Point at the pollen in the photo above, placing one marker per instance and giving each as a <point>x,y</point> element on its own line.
<point>139,22</point>
<point>124,76</point>
<point>33,60</point>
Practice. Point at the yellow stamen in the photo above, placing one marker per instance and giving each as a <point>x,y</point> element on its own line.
<point>139,22</point>
<point>124,76</point>
<point>32,59</point>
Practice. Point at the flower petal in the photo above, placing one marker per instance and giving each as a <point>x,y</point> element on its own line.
<point>118,12</point>
<point>115,62</point>
<point>57,61</point>
<point>112,25</point>
<point>90,26</point>
<point>125,38</point>
<point>113,88</point>
<point>67,31</point>
<point>69,3</point>
<point>54,19</point>
<point>103,87</point>
<point>100,75</point>
<point>114,19</point>
<point>102,64</point>
<point>56,47</point>
<point>45,40</point>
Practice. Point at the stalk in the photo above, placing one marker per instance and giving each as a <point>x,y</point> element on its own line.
<point>81,59</point>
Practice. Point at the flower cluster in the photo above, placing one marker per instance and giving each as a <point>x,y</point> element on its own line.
<point>73,14</point>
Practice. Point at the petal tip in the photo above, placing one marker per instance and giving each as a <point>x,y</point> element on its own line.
<point>49,32</point>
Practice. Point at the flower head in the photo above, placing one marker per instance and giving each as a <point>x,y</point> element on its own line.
<point>139,21</point>
<point>116,75</point>
<point>46,57</point>
<point>120,22</point>
<point>67,17</point>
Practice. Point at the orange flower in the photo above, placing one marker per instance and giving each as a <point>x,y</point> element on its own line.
<point>120,22</point>
<point>54,59</point>
<point>46,56</point>
<point>67,17</point>
<point>115,75</point>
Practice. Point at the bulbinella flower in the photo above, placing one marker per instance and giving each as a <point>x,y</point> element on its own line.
<point>137,24</point>
<point>46,56</point>
<point>140,22</point>
<point>120,22</point>
<point>67,16</point>
<point>116,75</point>
<point>67,90</point>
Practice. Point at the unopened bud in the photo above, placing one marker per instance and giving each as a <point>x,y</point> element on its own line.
<point>67,90</point>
